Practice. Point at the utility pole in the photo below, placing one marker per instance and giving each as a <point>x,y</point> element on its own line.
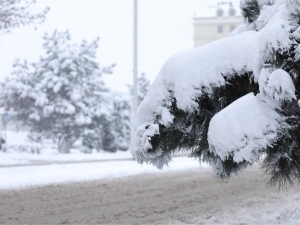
<point>135,53</point>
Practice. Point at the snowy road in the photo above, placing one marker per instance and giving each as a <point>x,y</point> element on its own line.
<point>176,197</point>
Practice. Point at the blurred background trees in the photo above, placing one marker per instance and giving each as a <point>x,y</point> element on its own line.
<point>143,85</point>
<point>63,97</point>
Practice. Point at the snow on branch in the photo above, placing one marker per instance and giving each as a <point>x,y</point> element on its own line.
<point>200,102</point>
<point>185,77</point>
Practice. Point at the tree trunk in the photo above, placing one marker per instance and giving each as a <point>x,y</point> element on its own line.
<point>64,145</point>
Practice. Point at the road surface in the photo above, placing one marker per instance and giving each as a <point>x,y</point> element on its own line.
<point>185,197</point>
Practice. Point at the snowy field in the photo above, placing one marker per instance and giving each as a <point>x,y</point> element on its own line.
<point>36,175</point>
<point>18,152</point>
<point>23,169</point>
<point>16,158</point>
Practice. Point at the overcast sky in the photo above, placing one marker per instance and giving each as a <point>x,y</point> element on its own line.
<point>165,27</point>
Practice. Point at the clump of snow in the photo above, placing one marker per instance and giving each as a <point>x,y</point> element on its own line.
<point>146,132</point>
<point>243,128</point>
<point>268,8</point>
<point>82,119</point>
<point>277,85</point>
<point>281,86</point>
<point>276,35</point>
<point>266,14</point>
<point>41,100</point>
<point>166,117</point>
<point>34,116</point>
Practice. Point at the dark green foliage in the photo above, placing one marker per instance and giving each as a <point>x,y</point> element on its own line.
<point>250,10</point>
<point>108,138</point>
<point>90,142</point>
<point>227,167</point>
<point>278,59</point>
<point>100,135</point>
<point>189,130</point>
<point>121,122</point>
<point>282,160</point>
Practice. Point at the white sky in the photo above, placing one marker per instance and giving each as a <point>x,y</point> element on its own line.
<point>165,27</point>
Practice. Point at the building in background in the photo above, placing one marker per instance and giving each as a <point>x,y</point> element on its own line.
<point>216,22</point>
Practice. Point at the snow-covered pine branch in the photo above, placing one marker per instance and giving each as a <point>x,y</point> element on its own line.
<point>232,102</point>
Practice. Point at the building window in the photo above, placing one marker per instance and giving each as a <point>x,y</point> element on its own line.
<point>220,29</point>
<point>232,12</point>
<point>220,12</point>
<point>232,27</point>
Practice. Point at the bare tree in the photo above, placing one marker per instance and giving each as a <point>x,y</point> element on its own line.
<point>16,13</point>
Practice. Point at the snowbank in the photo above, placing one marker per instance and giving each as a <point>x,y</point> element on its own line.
<point>26,176</point>
<point>25,158</point>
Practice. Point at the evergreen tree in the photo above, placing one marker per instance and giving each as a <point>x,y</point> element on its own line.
<point>200,101</point>
<point>143,85</point>
<point>250,10</point>
<point>121,121</point>
<point>61,96</point>
<point>279,80</point>
<point>122,113</point>
<point>108,137</point>
<point>112,132</point>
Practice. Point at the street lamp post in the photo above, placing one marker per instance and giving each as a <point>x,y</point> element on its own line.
<point>135,53</point>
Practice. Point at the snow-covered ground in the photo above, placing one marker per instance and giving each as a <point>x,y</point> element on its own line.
<point>28,176</point>
<point>19,152</point>
<point>20,168</point>
<point>24,158</point>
